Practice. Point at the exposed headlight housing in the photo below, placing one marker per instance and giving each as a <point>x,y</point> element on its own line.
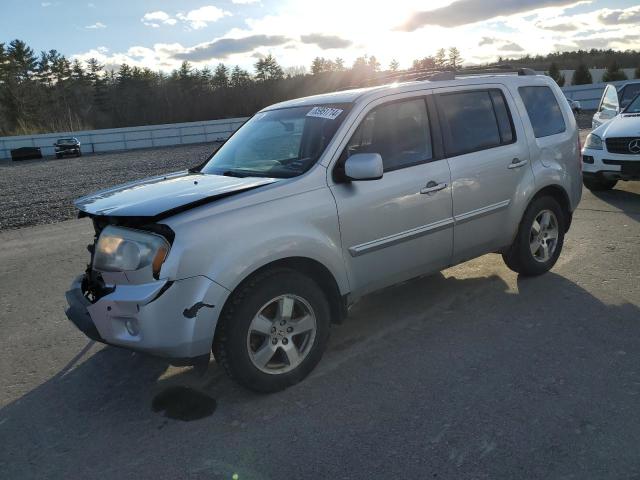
<point>594,142</point>
<point>125,249</point>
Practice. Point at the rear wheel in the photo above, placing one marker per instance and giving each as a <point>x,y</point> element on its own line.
<point>598,184</point>
<point>539,240</point>
<point>273,330</point>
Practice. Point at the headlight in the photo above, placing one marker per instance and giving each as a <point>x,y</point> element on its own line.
<point>594,142</point>
<point>125,249</point>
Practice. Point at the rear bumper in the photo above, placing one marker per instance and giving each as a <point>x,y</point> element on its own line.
<point>174,320</point>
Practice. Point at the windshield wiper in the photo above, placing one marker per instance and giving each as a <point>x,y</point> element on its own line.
<point>234,173</point>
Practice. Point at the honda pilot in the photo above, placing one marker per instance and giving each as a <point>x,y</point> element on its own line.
<point>318,201</point>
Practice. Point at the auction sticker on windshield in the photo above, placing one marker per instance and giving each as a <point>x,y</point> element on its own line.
<point>325,112</point>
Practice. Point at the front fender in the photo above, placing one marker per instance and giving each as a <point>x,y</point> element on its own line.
<point>227,246</point>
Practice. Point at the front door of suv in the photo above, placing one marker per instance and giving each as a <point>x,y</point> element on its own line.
<point>489,166</point>
<point>400,225</point>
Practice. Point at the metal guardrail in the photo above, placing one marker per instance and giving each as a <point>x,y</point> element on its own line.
<point>130,138</point>
<point>588,95</point>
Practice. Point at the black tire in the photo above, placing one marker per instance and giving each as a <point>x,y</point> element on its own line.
<point>230,343</point>
<point>598,184</point>
<point>519,257</point>
<point>58,155</point>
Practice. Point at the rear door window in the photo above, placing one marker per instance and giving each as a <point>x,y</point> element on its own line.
<point>543,110</point>
<point>474,120</point>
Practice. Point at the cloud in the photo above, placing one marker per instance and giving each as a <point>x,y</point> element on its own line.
<point>326,42</point>
<point>511,47</point>
<point>558,27</point>
<point>244,2</point>
<point>223,47</point>
<point>501,45</point>
<point>155,19</point>
<point>96,26</point>
<point>615,17</point>
<point>487,41</point>
<point>463,12</point>
<point>46,4</point>
<point>201,17</point>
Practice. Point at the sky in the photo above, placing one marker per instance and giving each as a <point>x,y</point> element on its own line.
<point>160,34</point>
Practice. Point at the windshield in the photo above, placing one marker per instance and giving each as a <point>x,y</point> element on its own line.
<point>628,93</point>
<point>634,106</point>
<point>279,143</point>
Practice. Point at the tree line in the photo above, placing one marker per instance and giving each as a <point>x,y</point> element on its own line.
<point>47,92</point>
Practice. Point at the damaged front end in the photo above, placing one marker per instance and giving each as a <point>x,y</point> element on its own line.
<point>142,309</point>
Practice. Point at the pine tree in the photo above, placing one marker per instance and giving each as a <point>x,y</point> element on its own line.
<point>220,76</point>
<point>267,68</point>
<point>554,72</point>
<point>423,63</point>
<point>455,59</point>
<point>239,77</point>
<point>440,59</point>
<point>318,65</point>
<point>614,73</point>
<point>374,64</point>
<point>394,65</point>
<point>581,75</point>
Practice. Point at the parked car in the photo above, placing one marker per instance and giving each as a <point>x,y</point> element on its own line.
<point>67,146</point>
<point>314,203</point>
<point>612,151</point>
<point>25,153</point>
<point>614,100</point>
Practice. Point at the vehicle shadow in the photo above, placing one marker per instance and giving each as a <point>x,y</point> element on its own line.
<point>623,199</point>
<point>94,418</point>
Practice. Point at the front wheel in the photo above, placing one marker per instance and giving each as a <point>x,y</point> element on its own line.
<point>539,240</point>
<point>273,330</point>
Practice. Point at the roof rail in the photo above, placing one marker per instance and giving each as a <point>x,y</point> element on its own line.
<point>470,71</point>
<point>436,74</point>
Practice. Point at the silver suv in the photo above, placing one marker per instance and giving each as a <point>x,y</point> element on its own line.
<point>314,203</point>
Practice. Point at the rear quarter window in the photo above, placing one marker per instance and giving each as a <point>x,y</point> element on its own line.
<point>543,110</point>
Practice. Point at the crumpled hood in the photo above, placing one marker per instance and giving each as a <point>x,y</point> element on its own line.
<point>164,194</point>
<point>623,125</point>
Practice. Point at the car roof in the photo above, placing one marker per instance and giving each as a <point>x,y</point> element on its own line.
<point>371,93</point>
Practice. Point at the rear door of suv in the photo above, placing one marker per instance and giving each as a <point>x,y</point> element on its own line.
<point>488,157</point>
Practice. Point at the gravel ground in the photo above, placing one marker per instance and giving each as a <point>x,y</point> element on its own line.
<point>42,191</point>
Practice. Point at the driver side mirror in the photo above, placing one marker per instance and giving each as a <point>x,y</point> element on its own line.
<point>364,166</point>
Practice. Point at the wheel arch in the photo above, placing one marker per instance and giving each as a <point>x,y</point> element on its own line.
<point>560,195</point>
<point>314,270</point>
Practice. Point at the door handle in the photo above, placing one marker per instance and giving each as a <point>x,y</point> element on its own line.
<point>432,187</point>
<point>517,163</point>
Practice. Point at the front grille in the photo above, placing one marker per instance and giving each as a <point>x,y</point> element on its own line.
<point>621,145</point>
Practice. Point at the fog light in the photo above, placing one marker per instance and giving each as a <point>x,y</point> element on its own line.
<point>587,159</point>
<point>132,327</point>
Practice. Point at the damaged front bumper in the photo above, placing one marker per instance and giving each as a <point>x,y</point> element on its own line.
<point>169,319</point>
